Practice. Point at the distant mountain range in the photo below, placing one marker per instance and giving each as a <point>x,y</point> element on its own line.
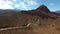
<point>38,21</point>
<point>8,10</point>
<point>10,18</point>
<point>57,13</point>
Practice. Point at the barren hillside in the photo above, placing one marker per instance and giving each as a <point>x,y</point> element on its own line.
<point>39,21</point>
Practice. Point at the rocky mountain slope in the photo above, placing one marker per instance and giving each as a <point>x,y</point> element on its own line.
<point>38,21</point>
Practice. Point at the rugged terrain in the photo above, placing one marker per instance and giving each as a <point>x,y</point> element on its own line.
<point>38,21</point>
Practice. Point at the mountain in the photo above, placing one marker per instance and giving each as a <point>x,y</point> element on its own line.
<point>57,12</point>
<point>8,10</point>
<point>43,8</point>
<point>38,21</point>
<point>10,16</point>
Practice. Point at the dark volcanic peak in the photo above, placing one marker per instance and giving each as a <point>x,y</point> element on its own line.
<point>45,11</point>
<point>43,8</point>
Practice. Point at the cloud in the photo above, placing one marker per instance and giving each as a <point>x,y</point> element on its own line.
<point>5,4</point>
<point>12,4</point>
<point>23,5</point>
<point>31,2</point>
<point>17,5</point>
<point>14,0</point>
<point>51,4</point>
<point>26,3</point>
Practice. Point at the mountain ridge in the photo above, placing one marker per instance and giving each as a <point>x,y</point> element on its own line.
<point>22,16</point>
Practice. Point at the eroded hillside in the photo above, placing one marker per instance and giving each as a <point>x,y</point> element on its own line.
<point>39,21</point>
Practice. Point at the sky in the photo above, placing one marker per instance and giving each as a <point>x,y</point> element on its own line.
<point>53,5</point>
